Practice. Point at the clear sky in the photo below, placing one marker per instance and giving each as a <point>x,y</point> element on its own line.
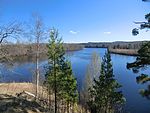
<point>82,20</point>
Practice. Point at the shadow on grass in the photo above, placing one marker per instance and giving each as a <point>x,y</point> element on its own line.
<point>12,104</point>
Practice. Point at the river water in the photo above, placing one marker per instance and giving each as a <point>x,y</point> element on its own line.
<point>23,71</point>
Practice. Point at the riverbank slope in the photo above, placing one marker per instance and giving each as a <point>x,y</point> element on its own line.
<point>20,98</point>
<point>11,100</point>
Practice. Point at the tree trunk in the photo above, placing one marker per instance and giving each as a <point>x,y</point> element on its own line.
<point>37,68</point>
<point>73,108</point>
<point>67,107</point>
<point>55,85</point>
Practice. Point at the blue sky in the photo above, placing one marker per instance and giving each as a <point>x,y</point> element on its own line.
<point>82,20</point>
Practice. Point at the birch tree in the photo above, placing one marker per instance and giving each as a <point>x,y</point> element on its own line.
<point>37,32</point>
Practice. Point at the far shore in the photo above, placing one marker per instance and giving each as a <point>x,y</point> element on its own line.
<point>30,50</point>
<point>129,52</point>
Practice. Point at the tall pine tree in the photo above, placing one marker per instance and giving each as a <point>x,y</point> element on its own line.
<point>69,92</point>
<point>105,96</point>
<point>59,77</point>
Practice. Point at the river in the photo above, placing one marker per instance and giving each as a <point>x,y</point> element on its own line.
<point>22,71</point>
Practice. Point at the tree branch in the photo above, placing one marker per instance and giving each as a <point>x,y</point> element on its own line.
<point>9,30</point>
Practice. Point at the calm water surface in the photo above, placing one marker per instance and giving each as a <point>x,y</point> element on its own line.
<point>22,71</point>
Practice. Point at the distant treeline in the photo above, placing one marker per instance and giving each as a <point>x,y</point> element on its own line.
<point>73,46</point>
<point>115,45</point>
<point>119,47</point>
<point>30,49</point>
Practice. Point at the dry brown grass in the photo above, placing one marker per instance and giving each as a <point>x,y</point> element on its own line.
<point>124,51</point>
<point>11,103</point>
<point>13,88</point>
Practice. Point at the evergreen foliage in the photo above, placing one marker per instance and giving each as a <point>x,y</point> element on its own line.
<point>143,25</point>
<point>143,60</point>
<point>59,76</point>
<point>104,94</point>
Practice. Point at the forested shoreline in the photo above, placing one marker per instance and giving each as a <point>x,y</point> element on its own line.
<point>123,48</point>
<point>29,49</point>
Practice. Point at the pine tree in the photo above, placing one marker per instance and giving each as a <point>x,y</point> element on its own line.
<point>59,76</point>
<point>142,62</point>
<point>55,59</point>
<point>69,92</point>
<point>104,94</point>
<point>143,58</point>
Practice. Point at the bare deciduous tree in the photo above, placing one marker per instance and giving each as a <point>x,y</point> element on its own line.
<point>38,33</point>
<point>93,71</point>
<point>12,30</point>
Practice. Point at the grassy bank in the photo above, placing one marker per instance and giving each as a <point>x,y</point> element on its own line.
<point>13,88</point>
<point>13,100</point>
<point>131,52</point>
<point>10,102</point>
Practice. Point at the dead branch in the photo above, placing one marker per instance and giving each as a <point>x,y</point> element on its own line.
<point>140,22</point>
<point>10,30</point>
